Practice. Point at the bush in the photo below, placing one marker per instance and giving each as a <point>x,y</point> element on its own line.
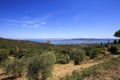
<point>20,54</point>
<point>3,55</point>
<point>63,59</point>
<point>78,56</point>
<point>93,52</point>
<point>40,66</point>
<point>14,67</point>
<point>33,69</point>
<point>113,49</point>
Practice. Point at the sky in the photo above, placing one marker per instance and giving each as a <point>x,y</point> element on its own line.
<point>39,19</point>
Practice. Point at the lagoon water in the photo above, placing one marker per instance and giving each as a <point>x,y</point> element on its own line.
<point>73,41</point>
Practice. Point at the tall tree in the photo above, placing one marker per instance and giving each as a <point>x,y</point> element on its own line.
<point>117,33</point>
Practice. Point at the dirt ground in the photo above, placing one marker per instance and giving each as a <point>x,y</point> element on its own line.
<point>60,71</point>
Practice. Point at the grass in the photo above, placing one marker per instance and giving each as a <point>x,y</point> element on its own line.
<point>105,71</point>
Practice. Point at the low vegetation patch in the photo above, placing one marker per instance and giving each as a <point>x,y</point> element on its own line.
<point>109,70</point>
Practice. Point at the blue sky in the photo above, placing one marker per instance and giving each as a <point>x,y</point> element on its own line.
<point>24,19</point>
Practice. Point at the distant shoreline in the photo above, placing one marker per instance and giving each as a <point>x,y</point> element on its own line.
<point>73,41</point>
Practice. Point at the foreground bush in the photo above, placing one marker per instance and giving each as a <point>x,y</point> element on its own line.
<point>63,58</point>
<point>114,49</point>
<point>79,56</point>
<point>40,66</point>
<point>14,67</point>
<point>93,52</point>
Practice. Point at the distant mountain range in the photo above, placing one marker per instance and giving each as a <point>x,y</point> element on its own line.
<point>92,39</point>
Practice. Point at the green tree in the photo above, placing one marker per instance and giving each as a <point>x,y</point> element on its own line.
<point>114,49</point>
<point>117,33</point>
<point>78,56</point>
<point>40,66</point>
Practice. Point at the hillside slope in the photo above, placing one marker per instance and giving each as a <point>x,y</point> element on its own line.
<point>109,70</point>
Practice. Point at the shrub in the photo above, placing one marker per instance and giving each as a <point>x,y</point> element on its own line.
<point>96,53</point>
<point>20,54</point>
<point>113,49</point>
<point>78,56</point>
<point>3,55</point>
<point>89,52</point>
<point>33,68</point>
<point>93,52</point>
<point>14,67</point>
<point>63,59</point>
<point>40,66</point>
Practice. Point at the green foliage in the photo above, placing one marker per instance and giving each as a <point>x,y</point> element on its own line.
<point>19,54</point>
<point>38,61</point>
<point>114,49</point>
<point>33,68</point>
<point>14,67</point>
<point>78,56</point>
<point>62,58</point>
<point>16,45</point>
<point>93,52</point>
<point>40,66</point>
<point>117,33</point>
<point>3,55</point>
<point>116,41</point>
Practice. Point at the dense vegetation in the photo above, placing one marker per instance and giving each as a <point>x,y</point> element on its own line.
<point>36,60</point>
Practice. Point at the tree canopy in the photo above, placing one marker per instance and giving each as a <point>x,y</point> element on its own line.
<point>117,33</point>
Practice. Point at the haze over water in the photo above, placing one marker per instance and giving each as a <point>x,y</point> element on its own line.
<point>73,41</point>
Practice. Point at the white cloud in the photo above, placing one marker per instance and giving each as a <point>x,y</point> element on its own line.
<point>36,25</point>
<point>29,23</point>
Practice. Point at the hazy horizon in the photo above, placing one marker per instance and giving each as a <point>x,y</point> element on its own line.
<point>53,38</point>
<point>47,19</point>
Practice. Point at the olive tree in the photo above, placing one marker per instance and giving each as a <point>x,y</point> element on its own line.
<point>40,66</point>
<point>78,56</point>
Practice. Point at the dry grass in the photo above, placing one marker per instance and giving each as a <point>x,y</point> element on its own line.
<point>60,71</point>
<point>107,72</point>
